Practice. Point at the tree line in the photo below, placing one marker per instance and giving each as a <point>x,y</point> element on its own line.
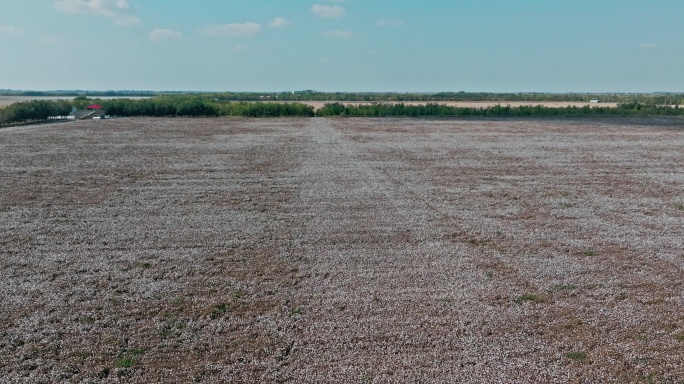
<point>433,109</point>
<point>162,106</point>
<point>197,106</point>
<point>35,110</point>
<point>193,106</point>
<point>645,98</point>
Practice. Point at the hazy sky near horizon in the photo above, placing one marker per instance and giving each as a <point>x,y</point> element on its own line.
<point>343,45</point>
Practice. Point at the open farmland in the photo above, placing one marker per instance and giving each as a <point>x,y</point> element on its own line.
<point>343,250</point>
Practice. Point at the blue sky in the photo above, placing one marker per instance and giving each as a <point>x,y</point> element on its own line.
<point>343,45</point>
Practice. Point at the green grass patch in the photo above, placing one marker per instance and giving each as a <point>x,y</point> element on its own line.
<point>171,326</point>
<point>564,287</point>
<point>219,310</point>
<point>528,297</point>
<point>126,362</point>
<point>128,356</point>
<point>86,319</point>
<point>136,351</point>
<point>576,355</point>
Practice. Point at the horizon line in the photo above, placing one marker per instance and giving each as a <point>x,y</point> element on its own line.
<point>333,92</point>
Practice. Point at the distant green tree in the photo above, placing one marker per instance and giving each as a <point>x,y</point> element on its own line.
<point>81,102</point>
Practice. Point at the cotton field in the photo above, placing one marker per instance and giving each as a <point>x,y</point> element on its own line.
<point>343,250</point>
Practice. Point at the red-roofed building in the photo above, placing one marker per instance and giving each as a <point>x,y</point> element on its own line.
<point>94,111</point>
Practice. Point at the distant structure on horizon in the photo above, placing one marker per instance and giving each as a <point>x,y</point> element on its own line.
<point>594,101</point>
<point>91,112</point>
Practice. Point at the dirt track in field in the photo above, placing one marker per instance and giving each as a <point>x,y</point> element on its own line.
<point>343,250</point>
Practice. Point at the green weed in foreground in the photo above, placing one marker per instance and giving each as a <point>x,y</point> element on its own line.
<point>178,301</point>
<point>86,319</point>
<point>576,355</point>
<point>126,362</point>
<point>564,287</point>
<point>172,325</point>
<point>219,310</point>
<point>128,359</point>
<point>527,297</point>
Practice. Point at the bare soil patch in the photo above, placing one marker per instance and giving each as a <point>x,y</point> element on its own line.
<point>343,250</point>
